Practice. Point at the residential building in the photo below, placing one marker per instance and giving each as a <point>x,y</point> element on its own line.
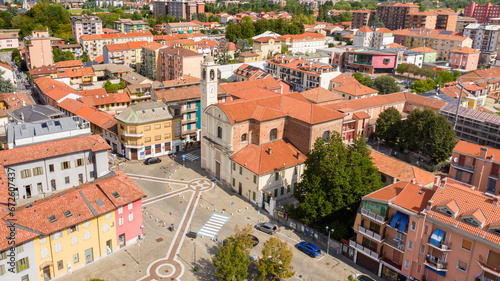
<point>35,112</point>
<point>418,19</point>
<point>354,91</point>
<point>85,25</point>
<point>267,46</point>
<point>363,37</point>
<point>393,170</point>
<point>372,62</point>
<point>8,73</point>
<point>182,9</point>
<point>446,20</point>
<point>173,28</point>
<point>301,74</point>
<point>304,43</point>
<point>394,15</point>
<point>128,25</point>
<point>412,57</point>
<point>77,76</point>
<point>94,44</point>
<point>482,13</point>
<point>38,51</point>
<point>109,3</point>
<point>337,56</point>
<point>176,62</point>
<point>321,95</point>
<point>29,133</point>
<point>107,102</point>
<point>148,129</point>
<point>464,58</point>
<point>23,263</point>
<point>342,80</point>
<point>462,22</point>
<point>266,34</point>
<point>362,18</point>
<point>249,56</point>
<point>429,55</point>
<point>78,226</point>
<point>442,43</point>
<point>248,72</point>
<point>9,40</point>
<point>111,71</point>
<point>75,49</point>
<point>486,78</point>
<point>382,37</point>
<point>128,54</point>
<point>151,59</point>
<point>43,168</point>
<point>484,37</point>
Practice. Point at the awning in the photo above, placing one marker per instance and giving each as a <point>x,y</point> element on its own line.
<point>436,237</point>
<point>442,273</point>
<point>403,222</point>
<point>395,219</point>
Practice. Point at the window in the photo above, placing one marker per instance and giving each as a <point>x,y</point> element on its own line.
<point>22,264</point>
<point>244,138</point>
<point>407,262</point>
<point>65,165</point>
<point>105,227</point>
<point>92,174</point>
<point>276,176</point>
<point>273,134</point>
<point>37,171</point>
<point>87,235</point>
<point>166,125</point>
<point>25,173</point>
<point>72,229</point>
<point>147,128</point>
<point>74,240</point>
<point>419,268</point>
<point>86,224</point>
<point>426,230</point>
<point>494,170</point>
<point>80,178</point>
<point>20,249</point>
<point>234,182</point>
<point>462,266</point>
<point>120,221</point>
<point>130,205</point>
<point>410,245</point>
<point>234,166</point>
<point>91,160</point>
<point>51,168</point>
<point>422,249</point>
<point>282,190</point>
<point>254,178</point>
<point>66,180</point>
<point>157,137</point>
<point>147,139</point>
<point>295,170</point>
<point>60,265</point>
<point>2,269</point>
<point>466,245</point>
<point>386,61</point>
<point>413,226</point>
<point>288,189</point>
<point>275,193</point>
<point>58,247</point>
<point>131,217</point>
<point>120,210</point>
<point>75,258</point>
<point>375,227</point>
<point>157,126</point>
<point>241,170</point>
<point>219,132</point>
<point>108,215</point>
<point>326,135</point>
<point>79,162</point>
<point>42,240</point>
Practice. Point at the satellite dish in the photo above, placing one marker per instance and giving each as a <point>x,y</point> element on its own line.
<point>455,159</point>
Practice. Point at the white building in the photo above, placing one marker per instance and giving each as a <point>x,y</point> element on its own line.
<point>44,168</point>
<point>22,265</point>
<point>8,72</point>
<point>484,37</point>
<point>381,38</point>
<point>363,37</point>
<point>267,34</point>
<point>307,42</point>
<point>108,3</point>
<point>413,57</point>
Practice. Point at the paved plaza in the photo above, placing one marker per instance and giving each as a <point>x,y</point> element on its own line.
<point>188,198</point>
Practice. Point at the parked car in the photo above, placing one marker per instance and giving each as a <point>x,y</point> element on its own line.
<point>266,227</point>
<point>152,160</point>
<point>309,248</point>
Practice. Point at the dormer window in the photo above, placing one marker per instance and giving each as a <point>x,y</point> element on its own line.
<point>244,138</point>
<point>273,134</point>
<point>445,211</point>
<point>474,217</point>
<point>448,208</point>
<point>470,221</point>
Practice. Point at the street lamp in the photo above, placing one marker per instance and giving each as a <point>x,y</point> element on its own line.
<point>328,242</point>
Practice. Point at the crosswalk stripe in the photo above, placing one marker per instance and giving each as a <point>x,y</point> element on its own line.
<point>214,224</point>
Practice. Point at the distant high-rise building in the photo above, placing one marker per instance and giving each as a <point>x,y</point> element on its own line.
<point>393,15</point>
<point>482,13</point>
<point>362,18</point>
<point>180,9</point>
<point>85,25</point>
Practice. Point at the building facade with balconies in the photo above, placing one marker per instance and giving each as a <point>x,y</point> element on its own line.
<point>151,59</point>
<point>176,62</point>
<point>484,37</point>
<point>128,25</point>
<point>93,45</point>
<point>373,62</point>
<point>362,18</point>
<point>85,25</point>
<point>394,15</point>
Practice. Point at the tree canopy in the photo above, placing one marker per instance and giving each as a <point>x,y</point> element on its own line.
<point>385,85</point>
<point>422,86</point>
<point>276,260</point>
<point>6,86</point>
<point>388,126</point>
<point>248,29</point>
<point>365,80</point>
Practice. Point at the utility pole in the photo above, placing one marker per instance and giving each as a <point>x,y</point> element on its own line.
<point>328,242</point>
<point>459,100</point>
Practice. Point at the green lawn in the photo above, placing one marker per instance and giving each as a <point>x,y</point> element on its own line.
<point>77,11</point>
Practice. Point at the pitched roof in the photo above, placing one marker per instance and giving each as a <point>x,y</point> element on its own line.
<point>465,50</point>
<point>69,63</point>
<point>4,65</point>
<point>320,95</point>
<point>365,29</point>
<point>304,35</point>
<point>413,197</point>
<point>22,235</point>
<point>52,149</point>
<point>253,94</point>
<point>356,89</point>
<point>54,89</point>
<point>153,46</point>
<point>99,118</point>
<point>116,35</point>
<point>191,92</point>
<point>269,157</point>
<point>108,98</point>
<point>145,112</point>
<point>395,46</point>
<point>75,72</point>
<point>474,149</point>
<point>400,170</point>
<point>387,193</point>
<point>384,30</point>
<point>182,52</point>
<point>267,83</point>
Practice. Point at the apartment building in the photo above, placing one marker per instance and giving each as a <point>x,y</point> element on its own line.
<point>444,232</point>
<point>75,49</point>
<point>173,28</point>
<point>355,91</point>
<point>38,52</point>
<point>43,168</point>
<point>128,25</point>
<point>394,15</point>
<point>421,20</point>
<point>176,62</point>
<point>267,46</point>
<point>151,59</point>
<point>76,227</point>
<point>382,38</point>
<point>446,20</point>
<point>182,9</point>
<point>128,54</point>
<point>302,75</point>
<point>440,42</point>
<point>429,55</point>
<point>85,25</point>
<point>372,61</point>
<point>306,42</point>
<point>484,37</point>
<point>462,22</point>
<point>482,13</point>
<point>148,129</point>
<point>362,18</point>
<point>464,58</point>
<point>94,44</point>
<point>363,37</point>
<point>9,40</point>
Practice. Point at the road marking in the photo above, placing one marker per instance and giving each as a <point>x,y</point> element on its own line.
<point>212,227</point>
<point>289,237</point>
<point>320,258</point>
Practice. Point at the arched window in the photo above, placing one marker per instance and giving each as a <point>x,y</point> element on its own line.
<point>326,135</point>
<point>219,132</point>
<point>243,137</point>
<point>273,134</point>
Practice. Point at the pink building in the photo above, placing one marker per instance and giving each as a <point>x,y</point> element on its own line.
<point>39,50</point>
<point>9,40</point>
<point>372,62</point>
<point>447,232</point>
<point>482,13</point>
<point>464,58</point>
<point>176,62</point>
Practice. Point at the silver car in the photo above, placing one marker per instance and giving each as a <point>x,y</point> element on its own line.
<point>267,228</point>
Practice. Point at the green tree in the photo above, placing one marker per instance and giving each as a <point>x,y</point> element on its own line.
<point>422,86</point>
<point>376,22</point>
<point>276,260</point>
<point>71,40</point>
<point>403,68</point>
<point>365,80</point>
<point>6,86</point>
<point>231,262</point>
<point>385,85</point>
<point>388,126</point>
<point>443,77</point>
<point>284,48</point>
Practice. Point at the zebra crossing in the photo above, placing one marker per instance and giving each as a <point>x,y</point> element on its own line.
<point>212,227</point>
<point>191,157</point>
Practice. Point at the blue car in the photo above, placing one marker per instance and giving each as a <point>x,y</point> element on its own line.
<point>309,249</point>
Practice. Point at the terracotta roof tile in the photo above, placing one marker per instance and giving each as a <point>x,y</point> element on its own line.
<point>75,72</point>
<point>320,95</point>
<point>365,29</point>
<point>355,89</point>
<point>413,197</point>
<point>344,79</point>
<point>153,46</point>
<point>4,65</point>
<point>97,100</point>
<point>400,170</point>
<point>267,83</point>
<point>383,30</point>
<point>473,149</point>
<point>387,193</point>
<point>22,235</point>
<point>465,50</point>
<point>69,64</point>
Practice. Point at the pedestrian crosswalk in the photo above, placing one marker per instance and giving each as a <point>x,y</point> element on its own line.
<point>191,157</point>
<point>212,227</point>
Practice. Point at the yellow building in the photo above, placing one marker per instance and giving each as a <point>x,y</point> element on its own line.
<point>148,129</point>
<point>268,46</point>
<point>442,43</point>
<point>249,56</point>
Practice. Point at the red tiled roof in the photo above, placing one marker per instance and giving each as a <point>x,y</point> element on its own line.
<point>355,89</point>
<point>365,29</point>
<point>103,99</point>
<point>21,236</point>
<point>258,159</point>
<point>267,83</point>
<point>473,149</point>
<point>384,30</point>
<point>52,149</point>
<point>254,94</point>
<point>387,193</point>
<point>395,45</point>
<point>320,95</point>
<point>99,59</point>
<point>153,46</point>
<point>413,197</point>
<point>99,118</point>
<point>304,35</point>
<point>465,50</point>
<point>69,63</point>
<point>54,89</point>
<point>4,65</point>
<point>179,94</point>
<point>43,70</point>
<point>75,72</point>
<point>116,35</point>
<point>15,100</point>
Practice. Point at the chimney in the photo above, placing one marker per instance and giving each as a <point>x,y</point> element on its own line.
<point>429,205</point>
<point>298,155</point>
<point>483,152</point>
<point>437,181</point>
<point>495,200</point>
<point>414,181</point>
<point>443,182</point>
<point>22,116</point>
<point>270,151</point>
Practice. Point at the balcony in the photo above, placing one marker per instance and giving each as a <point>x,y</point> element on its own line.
<point>116,56</point>
<point>191,120</point>
<point>363,62</point>
<point>468,168</point>
<point>189,109</point>
<point>190,131</point>
<point>395,244</point>
<point>372,216</point>
<point>369,234</point>
<point>132,135</point>
<point>435,263</point>
<point>442,248</point>
<point>489,269</point>
<point>118,61</point>
<point>364,250</point>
